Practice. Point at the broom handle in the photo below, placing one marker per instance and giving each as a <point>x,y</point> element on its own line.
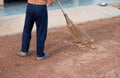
<point>59,4</point>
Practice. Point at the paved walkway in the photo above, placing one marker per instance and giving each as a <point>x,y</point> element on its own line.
<point>14,24</point>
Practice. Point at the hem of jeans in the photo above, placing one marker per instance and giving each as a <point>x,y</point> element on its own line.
<point>41,55</point>
<point>24,51</point>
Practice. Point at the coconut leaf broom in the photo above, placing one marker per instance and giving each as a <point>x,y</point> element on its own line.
<point>81,35</point>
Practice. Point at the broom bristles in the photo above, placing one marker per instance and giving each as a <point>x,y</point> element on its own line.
<point>80,34</point>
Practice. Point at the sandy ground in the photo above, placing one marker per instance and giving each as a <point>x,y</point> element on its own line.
<point>67,60</point>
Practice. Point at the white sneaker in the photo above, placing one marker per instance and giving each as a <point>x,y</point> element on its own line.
<point>41,58</point>
<point>22,54</point>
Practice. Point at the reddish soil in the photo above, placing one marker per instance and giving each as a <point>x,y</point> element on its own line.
<point>67,60</point>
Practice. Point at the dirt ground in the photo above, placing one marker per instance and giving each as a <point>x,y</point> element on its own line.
<point>67,60</point>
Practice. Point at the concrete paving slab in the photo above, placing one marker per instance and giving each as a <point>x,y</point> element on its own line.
<point>14,24</point>
<point>114,4</point>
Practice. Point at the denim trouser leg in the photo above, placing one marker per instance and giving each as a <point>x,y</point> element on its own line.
<point>41,26</point>
<point>26,36</point>
<point>38,14</point>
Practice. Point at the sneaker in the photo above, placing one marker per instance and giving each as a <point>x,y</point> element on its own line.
<point>22,54</point>
<point>41,58</point>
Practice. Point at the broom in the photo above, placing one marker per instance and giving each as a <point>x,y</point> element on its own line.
<point>80,35</point>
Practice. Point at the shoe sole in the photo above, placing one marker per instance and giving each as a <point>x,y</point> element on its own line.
<point>21,55</point>
<point>42,58</point>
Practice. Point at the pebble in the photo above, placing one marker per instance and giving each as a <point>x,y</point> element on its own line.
<point>93,47</point>
<point>92,40</point>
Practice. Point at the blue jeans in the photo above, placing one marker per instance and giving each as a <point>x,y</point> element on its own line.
<point>39,15</point>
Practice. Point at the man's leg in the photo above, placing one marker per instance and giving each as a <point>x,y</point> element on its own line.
<point>41,25</point>
<point>29,21</point>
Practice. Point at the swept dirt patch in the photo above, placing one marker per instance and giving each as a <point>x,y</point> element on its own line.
<point>67,60</point>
